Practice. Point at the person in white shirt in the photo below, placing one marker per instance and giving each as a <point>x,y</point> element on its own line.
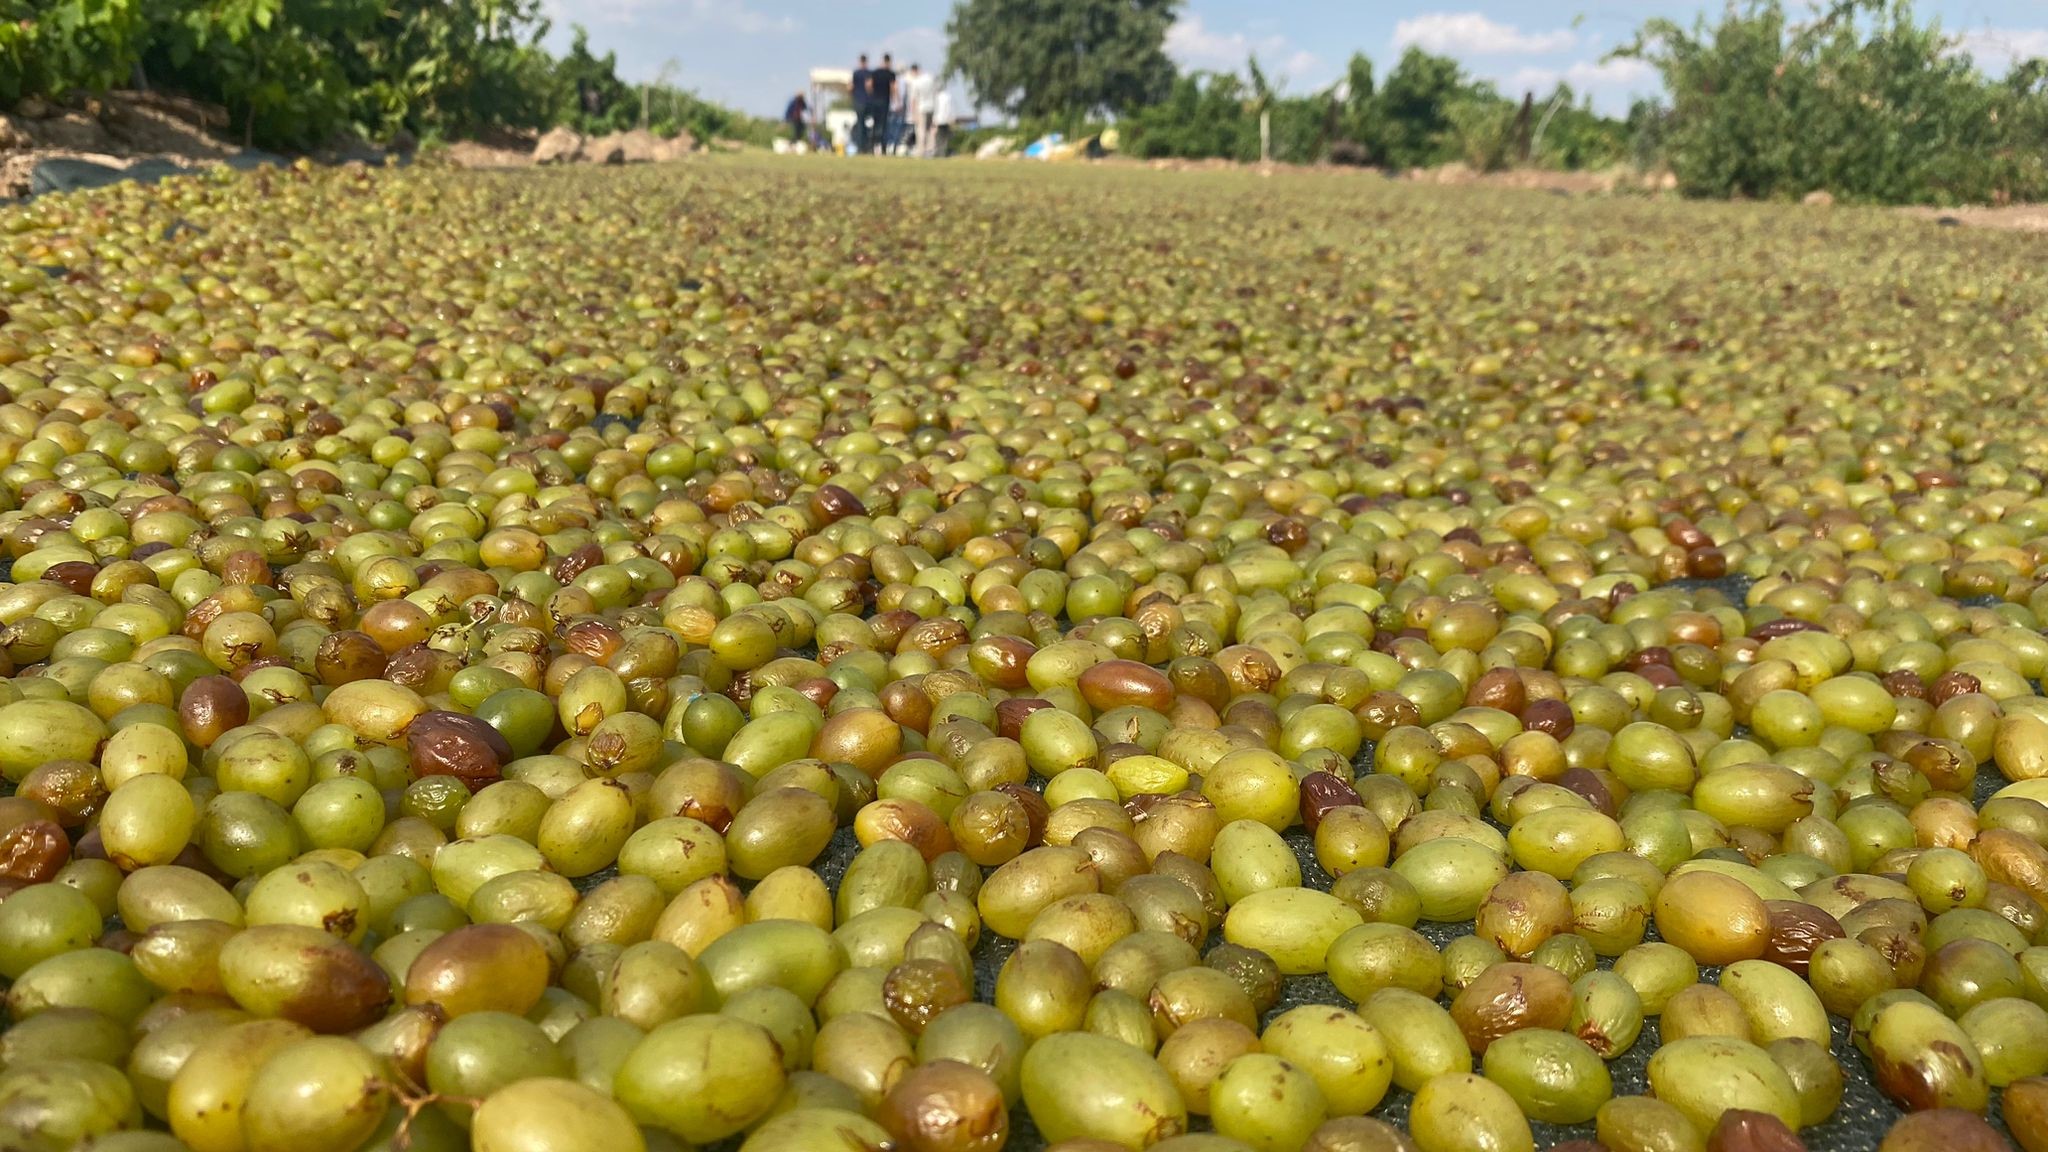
<point>942,120</point>
<point>917,95</point>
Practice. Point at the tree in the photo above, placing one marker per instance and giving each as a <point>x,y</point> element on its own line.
<point>1062,59</point>
<point>1358,83</point>
<point>1570,135</point>
<point>1348,119</point>
<point>592,97</point>
<point>55,45</point>
<point>1865,101</point>
<point>280,67</point>
<point>1412,111</point>
<point>298,73</point>
<point>1203,115</point>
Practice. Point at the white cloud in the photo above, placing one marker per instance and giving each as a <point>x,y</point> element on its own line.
<point>1473,34</point>
<point>1583,76</point>
<point>1300,64</point>
<point>1997,49</point>
<point>1193,44</point>
<point>1609,83</point>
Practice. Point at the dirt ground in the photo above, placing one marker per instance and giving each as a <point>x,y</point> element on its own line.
<point>1449,175</point>
<point>124,128</point>
<point>2011,217</point>
<point>117,131</point>
<point>1625,181</point>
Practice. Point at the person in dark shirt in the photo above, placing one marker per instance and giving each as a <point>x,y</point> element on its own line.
<point>794,116</point>
<point>859,93</point>
<point>881,97</point>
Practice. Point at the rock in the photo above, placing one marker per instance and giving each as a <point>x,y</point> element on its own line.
<point>604,150</point>
<point>559,146</point>
<point>472,154</point>
<point>11,135</point>
<point>1819,199</point>
<point>675,148</point>
<point>639,146</point>
<point>32,108</point>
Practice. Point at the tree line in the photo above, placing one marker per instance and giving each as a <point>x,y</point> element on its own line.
<point>1863,100</point>
<point>299,73</point>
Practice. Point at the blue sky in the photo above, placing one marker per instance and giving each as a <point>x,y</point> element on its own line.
<point>754,53</point>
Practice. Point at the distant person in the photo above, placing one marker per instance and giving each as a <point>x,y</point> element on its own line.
<point>795,116</point>
<point>917,97</point>
<point>942,121</point>
<point>899,114</point>
<point>860,91</point>
<point>881,101</point>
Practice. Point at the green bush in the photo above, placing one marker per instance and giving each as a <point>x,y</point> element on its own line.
<point>1301,129</point>
<point>1205,116</point>
<point>1867,103</point>
<point>295,73</point>
<point>49,46</point>
<point>1485,131</point>
<point>276,65</point>
<point>1429,112</point>
<point>1408,121</point>
<point>458,67</point>
<point>1577,138</point>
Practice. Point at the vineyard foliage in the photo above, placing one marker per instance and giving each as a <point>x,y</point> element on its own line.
<point>297,73</point>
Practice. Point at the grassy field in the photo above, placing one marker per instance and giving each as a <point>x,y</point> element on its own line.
<point>787,585</point>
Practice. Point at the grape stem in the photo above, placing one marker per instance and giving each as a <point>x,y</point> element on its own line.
<point>413,1099</point>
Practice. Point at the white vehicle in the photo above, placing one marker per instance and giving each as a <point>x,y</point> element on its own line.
<point>831,98</point>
